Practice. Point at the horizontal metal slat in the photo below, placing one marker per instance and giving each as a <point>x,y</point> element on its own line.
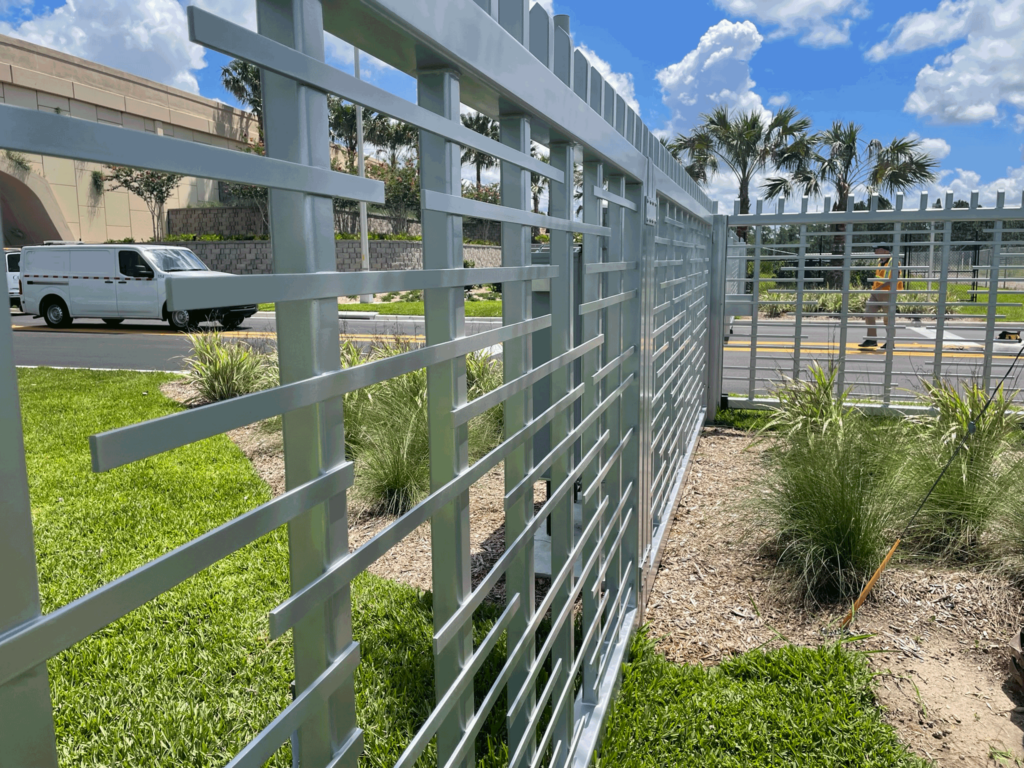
<point>44,637</point>
<point>199,291</point>
<point>45,133</point>
<point>603,194</point>
<point>462,206</point>
<point>500,394</point>
<point>230,39</point>
<point>610,301</point>
<point>340,573</point>
<point>139,441</point>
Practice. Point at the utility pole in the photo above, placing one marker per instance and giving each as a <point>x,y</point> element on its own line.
<point>363,237</point>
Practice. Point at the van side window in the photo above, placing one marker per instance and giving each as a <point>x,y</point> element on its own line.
<point>13,262</point>
<point>131,264</point>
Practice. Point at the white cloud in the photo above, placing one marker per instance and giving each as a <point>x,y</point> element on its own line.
<point>621,82</point>
<point>820,23</point>
<point>148,38</point>
<point>972,83</point>
<point>780,100</point>
<point>716,72</point>
<point>937,148</point>
<point>962,182</point>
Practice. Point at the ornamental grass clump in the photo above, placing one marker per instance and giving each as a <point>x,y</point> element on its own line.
<point>982,487</point>
<point>387,429</point>
<point>832,494</point>
<point>220,369</point>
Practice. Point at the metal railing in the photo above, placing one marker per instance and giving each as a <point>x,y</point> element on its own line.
<point>801,292</point>
<point>624,366</point>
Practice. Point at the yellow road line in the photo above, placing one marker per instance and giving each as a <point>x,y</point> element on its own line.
<point>946,355</point>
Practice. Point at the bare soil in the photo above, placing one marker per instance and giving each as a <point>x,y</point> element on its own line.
<point>939,636</point>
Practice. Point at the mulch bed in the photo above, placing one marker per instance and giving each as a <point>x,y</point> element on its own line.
<point>940,634</point>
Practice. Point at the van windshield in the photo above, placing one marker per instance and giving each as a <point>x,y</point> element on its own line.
<point>174,260</point>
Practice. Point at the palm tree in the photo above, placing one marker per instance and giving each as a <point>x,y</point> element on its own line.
<point>839,159</point>
<point>242,80</point>
<point>392,138</point>
<point>745,142</point>
<point>480,160</point>
<point>343,128</point>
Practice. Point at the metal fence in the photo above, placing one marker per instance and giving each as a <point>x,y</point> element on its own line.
<point>805,295</point>
<point>621,351</point>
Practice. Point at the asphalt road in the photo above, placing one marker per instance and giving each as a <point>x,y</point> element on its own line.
<point>150,345</point>
<point>913,356</point>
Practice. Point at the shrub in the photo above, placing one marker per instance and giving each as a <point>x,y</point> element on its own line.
<point>811,405</point>
<point>774,305</point>
<point>983,484</point>
<point>222,369</point>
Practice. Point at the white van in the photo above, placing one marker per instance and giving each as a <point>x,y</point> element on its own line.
<point>11,264</point>
<point>62,282</point>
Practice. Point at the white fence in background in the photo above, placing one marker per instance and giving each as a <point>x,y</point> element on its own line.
<point>799,289</point>
<point>625,369</point>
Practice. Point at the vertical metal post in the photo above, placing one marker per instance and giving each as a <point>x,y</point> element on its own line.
<point>632,549</point>
<point>798,326</point>
<point>940,309</point>
<point>445,310</point>
<point>716,313</point>
<point>613,346</point>
<point>592,214</point>
<point>755,307</point>
<point>27,735</point>
<point>890,311</point>
<point>562,321</point>
<point>993,292</point>
<point>517,306</point>
<point>844,313</point>
<point>296,124</point>
<point>364,238</point>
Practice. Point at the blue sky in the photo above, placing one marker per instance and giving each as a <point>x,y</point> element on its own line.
<point>948,71</point>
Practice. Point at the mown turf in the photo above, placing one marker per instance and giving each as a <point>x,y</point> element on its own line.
<point>787,707</point>
<point>189,678</point>
<point>473,308</point>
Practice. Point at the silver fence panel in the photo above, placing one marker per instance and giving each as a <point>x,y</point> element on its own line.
<point>800,287</point>
<point>627,375</point>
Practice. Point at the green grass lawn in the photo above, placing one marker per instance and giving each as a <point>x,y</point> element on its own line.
<point>473,308</point>
<point>189,678</point>
<point>787,707</point>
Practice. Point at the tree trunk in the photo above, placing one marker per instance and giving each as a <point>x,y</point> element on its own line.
<point>479,186</point>
<point>741,232</point>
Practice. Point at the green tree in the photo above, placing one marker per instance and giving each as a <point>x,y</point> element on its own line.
<point>242,80</point>
<point>401,191</point>
<point>745,142</point>
<point>343,128</point>
<point>488,193</point>
<point>482,124</point>
<point>841,160</point>
<point>250,196</point>
<point>152,187</point>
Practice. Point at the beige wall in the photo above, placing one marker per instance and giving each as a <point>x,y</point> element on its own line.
<point>38,78</point>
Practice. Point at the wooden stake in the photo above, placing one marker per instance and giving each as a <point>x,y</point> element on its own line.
<point>869,586</point>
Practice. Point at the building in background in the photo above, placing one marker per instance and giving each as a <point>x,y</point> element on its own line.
<point>51,198</point>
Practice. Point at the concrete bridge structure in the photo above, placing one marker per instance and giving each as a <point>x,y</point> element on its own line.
<point>51,198</point>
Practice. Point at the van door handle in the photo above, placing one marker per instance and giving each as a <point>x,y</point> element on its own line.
<point>122,282</point>
<point>109,282</point>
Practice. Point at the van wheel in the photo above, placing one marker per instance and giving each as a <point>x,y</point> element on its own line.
<point>56,314</point>
<point>113,320</point>
<point>230,323</point>
<point>180,321</point>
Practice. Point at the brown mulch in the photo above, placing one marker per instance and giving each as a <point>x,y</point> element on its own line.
<point>941,634</point>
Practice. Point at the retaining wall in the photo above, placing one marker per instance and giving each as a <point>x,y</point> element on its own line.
<point>253,257</point>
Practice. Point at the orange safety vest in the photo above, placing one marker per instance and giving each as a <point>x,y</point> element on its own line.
<point>883,276</point>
